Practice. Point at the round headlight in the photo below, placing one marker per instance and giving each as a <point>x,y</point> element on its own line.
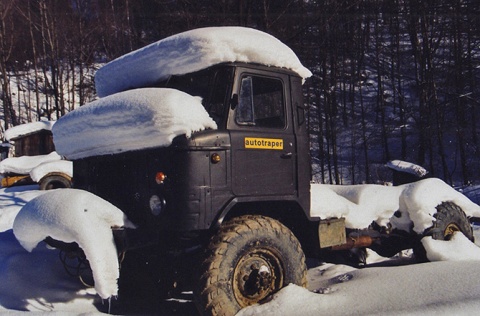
<point>157,205</point>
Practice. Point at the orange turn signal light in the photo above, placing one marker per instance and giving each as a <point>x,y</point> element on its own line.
<point>215,158</point>
<point>160,177</point>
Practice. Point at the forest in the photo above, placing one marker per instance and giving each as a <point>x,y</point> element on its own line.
<point>392,79</point>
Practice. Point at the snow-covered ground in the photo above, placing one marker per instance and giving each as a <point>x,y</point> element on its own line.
<point>37,281</point>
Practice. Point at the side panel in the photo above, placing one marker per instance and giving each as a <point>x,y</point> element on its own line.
<point>303,163</point>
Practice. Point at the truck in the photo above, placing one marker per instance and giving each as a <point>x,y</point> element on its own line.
<point>232,206</point>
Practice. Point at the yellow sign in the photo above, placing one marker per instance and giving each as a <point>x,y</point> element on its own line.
<point>263,143</point>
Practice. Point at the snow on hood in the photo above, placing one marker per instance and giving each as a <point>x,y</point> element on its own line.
<point>25,164</point>
<point>62,166</point>
<point>361,205</point>
<point>26,129</point>
<point>193,51</point>
<point>71,215</point>
<point>129,120</point>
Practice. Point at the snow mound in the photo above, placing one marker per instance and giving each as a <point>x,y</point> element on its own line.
<point>361,205</point>
<point>71,215</point>
<point>62,166</point>
<point>26,129</point>
<point>129,120</point>
<point>12,200</point>
<point>192,51</point>
<point>25,164</point>
<point>458,248</point>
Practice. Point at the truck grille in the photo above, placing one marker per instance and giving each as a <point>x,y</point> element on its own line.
<point>126,180</point>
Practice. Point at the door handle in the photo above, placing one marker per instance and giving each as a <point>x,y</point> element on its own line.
<point>286,155</point>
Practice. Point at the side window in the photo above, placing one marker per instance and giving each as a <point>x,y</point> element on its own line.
<point>261,102</point>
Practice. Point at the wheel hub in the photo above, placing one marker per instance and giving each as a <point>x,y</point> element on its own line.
<point>450,230</point>
<point>257,275</point>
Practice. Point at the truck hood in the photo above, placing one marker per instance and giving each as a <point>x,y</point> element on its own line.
<point>130,120</point>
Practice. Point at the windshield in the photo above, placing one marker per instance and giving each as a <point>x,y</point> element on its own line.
<point>212,85</point>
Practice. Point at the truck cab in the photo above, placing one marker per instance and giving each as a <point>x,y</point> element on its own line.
<point>257,160</point>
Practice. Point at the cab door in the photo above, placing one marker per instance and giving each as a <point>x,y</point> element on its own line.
<point>262,137</point>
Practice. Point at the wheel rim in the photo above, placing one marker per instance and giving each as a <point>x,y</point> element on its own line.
<point>450,230</point>
<point>257,275</point>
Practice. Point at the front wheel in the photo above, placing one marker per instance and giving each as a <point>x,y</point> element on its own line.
<point>250,258</point>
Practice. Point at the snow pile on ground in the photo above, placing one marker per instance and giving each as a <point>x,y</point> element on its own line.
<point>62,166</point>
<point>363,204</point>
<point>12,200</point>
<point>71,215</point>
<point>192,51</point>
<point>37,282</point>
<point>25,164</point>
<point>435,288</point>
<point>130,120</point>
<point>458,248</point>
<point>26,129</point>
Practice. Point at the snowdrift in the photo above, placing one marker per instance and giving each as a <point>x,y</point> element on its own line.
<point>192,51</point>
<point>129,120</point>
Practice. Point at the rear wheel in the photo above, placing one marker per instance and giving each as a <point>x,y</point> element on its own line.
<point>450,219</point>
<point>249,259</point>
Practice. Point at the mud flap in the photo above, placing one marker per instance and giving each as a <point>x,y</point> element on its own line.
<point>332,232</point>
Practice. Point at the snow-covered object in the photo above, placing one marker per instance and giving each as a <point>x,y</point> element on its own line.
<point>192,51</point>
<point>25,164</point>
<point>28,128</point>
<point>361,205</point>
<point>408,167</point>
<point>71,215</point>
<point>129,120</point>
<point>62,166</point>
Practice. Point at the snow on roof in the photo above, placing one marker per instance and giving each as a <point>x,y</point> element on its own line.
<point>71,215</point>
<point>129,120</point>
<point>192,51</point>
<point>29,128</point>
<point>408,167</point>
<point>364,204</point>
<point>25,164</point>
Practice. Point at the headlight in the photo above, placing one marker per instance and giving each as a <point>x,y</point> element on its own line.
<point>157,204</point>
